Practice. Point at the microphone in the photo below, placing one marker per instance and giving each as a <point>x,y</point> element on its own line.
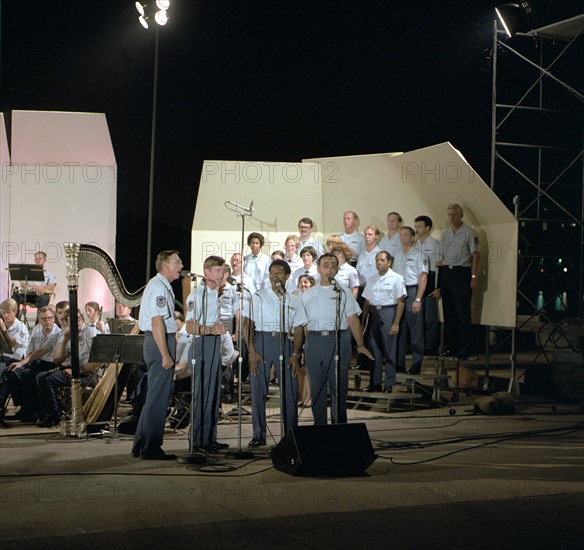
<point>246,209</point>
<point>231,280</point>
<point>334,282</point>
<point>186,273</point>
<point>279,285</point>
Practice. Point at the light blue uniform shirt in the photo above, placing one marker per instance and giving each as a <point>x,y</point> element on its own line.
<point>265,311</point>
<point>158,300</point>
<point>320,303</point>
<point>385,290</point>
<point>204,307</point>
<point>38,340</point>
<point>410,264</point>
<point>355,241</point>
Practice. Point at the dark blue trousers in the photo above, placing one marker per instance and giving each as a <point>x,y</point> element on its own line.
<point>268,346</point>
<point>150,431</point>
<point>207,354</point>
<point>320,368</point>
<point>382,344</point>
<point>411,329</point>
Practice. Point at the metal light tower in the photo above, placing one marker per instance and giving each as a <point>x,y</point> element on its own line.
<point>160,18</point>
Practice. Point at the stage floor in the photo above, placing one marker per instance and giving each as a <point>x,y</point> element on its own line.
<point>444,478</point>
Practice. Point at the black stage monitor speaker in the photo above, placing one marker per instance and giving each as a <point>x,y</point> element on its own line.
<point>326,450</point>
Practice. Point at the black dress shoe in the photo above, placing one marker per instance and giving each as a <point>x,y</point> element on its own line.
<point>210,450</point>
<point>255,443</point>
<point>372,388</point>
<point>388,390</point>
<point>161,456</point>
<point>135,454</point>
<point>220,446</point>
<point>4,424</point>
<point>47,422</point>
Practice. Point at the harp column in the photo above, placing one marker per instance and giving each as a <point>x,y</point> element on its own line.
<point>75,425</point>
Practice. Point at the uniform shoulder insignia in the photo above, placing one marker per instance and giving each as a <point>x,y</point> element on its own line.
<point>190,305</point>
<point>161,301</point>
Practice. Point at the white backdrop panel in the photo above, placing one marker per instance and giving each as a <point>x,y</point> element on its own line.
<point>61,187</point>
<point>425,181</point>
<point>282,193</point>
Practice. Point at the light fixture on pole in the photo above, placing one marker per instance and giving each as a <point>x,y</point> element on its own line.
<point>161,18</point>
<point>514,17</point>
<point>142,18</point>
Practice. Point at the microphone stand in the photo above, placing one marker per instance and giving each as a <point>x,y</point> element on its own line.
<point>337,350</point>
<point>240,454</point>
<point>193,457</point>
<point>281,358</point>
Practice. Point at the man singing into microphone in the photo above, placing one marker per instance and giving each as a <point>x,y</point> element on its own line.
<point>264,336</point>
<point>159,327</point>
<point>320,303</point>
<point>204,321</point>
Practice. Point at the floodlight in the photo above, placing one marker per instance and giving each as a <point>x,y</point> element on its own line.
<point>161,18</point>
<point>163,4</point>
<point>140,8</point>
<point>514,17</point>
<point>143,21</point>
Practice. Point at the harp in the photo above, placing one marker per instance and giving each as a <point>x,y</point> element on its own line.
<point>85,256</point>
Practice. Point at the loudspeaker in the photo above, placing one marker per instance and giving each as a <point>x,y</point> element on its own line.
<point>325,450</point>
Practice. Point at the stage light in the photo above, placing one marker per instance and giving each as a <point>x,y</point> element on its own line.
<point>161,18</point>
<point>514,17</point>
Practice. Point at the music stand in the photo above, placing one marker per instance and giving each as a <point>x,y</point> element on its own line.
<point>116,348</point>
<point>26,273</point>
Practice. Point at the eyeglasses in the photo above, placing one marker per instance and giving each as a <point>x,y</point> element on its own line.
<point>179,261</point>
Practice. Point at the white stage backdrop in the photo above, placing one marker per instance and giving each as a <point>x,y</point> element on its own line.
<point>419,182</point>
<point>60,186</point>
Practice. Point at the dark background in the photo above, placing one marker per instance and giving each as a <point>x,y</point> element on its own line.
<point>252,80</point>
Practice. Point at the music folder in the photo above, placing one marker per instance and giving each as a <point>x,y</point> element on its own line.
<point>31,273</point>
<point>106,348</point>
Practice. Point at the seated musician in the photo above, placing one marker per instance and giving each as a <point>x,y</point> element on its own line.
<point>93,311</point>
<point>60,375</point>
<point>21,375</point>
<point>123,323</point>
<point>14,334</point>
<point>37,293</point>
<point>60,309</point>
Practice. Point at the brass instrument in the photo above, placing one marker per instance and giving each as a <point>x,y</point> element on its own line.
<point>31,290</point>
<point>84,256</point>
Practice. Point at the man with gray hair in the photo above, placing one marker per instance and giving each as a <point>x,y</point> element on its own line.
<point>459,271</point>
<point>159,326</point>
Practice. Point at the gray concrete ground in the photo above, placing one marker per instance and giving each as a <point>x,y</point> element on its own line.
<point>444,478</point>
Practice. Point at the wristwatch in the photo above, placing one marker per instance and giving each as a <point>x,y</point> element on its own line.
<point>473,276</point>
<point>417,299</point>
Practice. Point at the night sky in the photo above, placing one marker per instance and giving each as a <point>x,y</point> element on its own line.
<point>272,81</point>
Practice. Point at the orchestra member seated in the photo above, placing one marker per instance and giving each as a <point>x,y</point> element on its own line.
<point>21,375</point>
<point>93,311</point>
<point>38,293</point>
<point>60,375</point>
